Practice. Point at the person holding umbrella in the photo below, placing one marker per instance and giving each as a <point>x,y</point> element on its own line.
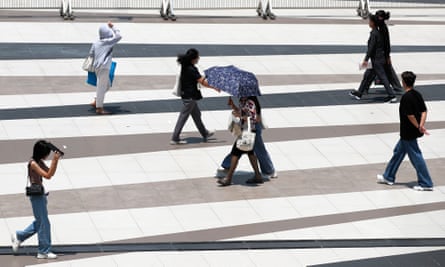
<point>190,94</point>
<point>244,85</point>
<point>247,110</point>
<point>265,162</point>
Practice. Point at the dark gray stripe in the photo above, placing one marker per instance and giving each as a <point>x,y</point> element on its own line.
<point>303,99</point>
<point>424,259</point>
<point>22,51</point>
<point>234,245</point>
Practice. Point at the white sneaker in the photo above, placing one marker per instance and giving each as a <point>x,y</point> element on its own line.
<point>48,256</point>
<point>272,176</point>
<point>420,188</point>
<point>15,243</point>
<point>382,180</point>
<point>180,142</point>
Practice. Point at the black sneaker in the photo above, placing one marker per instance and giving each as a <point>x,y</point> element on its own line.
<point>172,16</point>
<point>355,94</point>
<point>390,99</point>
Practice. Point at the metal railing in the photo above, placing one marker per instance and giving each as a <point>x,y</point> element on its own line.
<point>211,4</point>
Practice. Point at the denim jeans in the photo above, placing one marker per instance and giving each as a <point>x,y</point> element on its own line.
<point>411,148</point>
<point>41,224</point>
<point>260,151</point>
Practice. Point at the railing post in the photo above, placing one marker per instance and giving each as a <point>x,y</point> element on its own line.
<point>264,9</point>
<point>66,10</point>
<point>167,10</point>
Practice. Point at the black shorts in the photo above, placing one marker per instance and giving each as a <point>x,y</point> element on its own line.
<point>237,152</point>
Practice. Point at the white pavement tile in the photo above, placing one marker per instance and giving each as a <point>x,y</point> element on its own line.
<point>235,212</point>
<point>197,216</point>
<point>115,225</point>
<point>274,209</point>
<point>156,221</point>
<point>338,151</point>
<point>83,231</point>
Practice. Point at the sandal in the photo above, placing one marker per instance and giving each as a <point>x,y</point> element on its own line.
<point>101,111</point>
<point>255,181</point>
<point>224,182</point>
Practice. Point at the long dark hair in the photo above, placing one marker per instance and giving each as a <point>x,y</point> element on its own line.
<point>41,150</point>
<point>187,58</point>
<point>382,16</point>
<point>257,104</point>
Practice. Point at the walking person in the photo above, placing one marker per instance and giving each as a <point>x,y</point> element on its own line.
<point>265,162</point>
<point>102,51</point>
<point>264,9</point>
<point>378,56</point>
<point>41,225</point>
<point>247,110</point>
<point>382,17</point>
<point>189,79</point>
<point>167,10</point>
<point>413,113</point>
<point>66,10</point>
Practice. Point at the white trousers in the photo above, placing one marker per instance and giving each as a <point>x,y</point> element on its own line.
<point>167,7</point>
<point>265,6</point>
<point>103,85</point>
<point>66,7</point>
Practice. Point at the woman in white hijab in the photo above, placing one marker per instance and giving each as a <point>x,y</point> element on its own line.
<point>102,51</point>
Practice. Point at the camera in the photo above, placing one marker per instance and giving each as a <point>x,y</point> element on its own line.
<point>54,148</point>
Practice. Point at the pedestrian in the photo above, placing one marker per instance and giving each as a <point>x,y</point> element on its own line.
<point>167,10</point>
<point>41,225</point>
<point>377,54</point>
<point>265,162</point>
<point>102,51</point>
<point>264,9</point>
<point>382,17</point>
<point>247,110</point>
<point>66,10</point>
<point>190,95</point>
<point>413,113</point>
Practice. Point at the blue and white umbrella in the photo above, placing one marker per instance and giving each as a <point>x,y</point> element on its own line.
<point>232,80</point>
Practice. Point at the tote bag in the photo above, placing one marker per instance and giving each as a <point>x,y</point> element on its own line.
<point>92,78</point>
<point>247,139</point>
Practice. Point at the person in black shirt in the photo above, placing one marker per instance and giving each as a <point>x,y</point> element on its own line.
<point>412,112</point>
<point>190,77</point>
<point>377,53</point>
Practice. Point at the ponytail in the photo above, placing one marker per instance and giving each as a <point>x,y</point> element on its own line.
<point>187,58</point>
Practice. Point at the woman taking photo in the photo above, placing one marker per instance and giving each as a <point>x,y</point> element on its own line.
<point>190,94</point>
<point>37,170</point>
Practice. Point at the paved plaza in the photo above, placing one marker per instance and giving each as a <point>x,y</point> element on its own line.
<point>123,196</point>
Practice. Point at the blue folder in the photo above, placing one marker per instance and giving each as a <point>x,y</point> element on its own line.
<point>92,78</point>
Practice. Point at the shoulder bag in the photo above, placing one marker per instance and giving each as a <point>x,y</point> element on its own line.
<point>247,139</point>
<point>33,189</point>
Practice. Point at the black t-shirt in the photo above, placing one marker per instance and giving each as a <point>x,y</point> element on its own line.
<point>189,82</point>
<point>412,103</point>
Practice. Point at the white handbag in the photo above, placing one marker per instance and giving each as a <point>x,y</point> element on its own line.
<point>88,64</point>
<point>177,89</point>
<point>234,126</point>
<point>247,139</point>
